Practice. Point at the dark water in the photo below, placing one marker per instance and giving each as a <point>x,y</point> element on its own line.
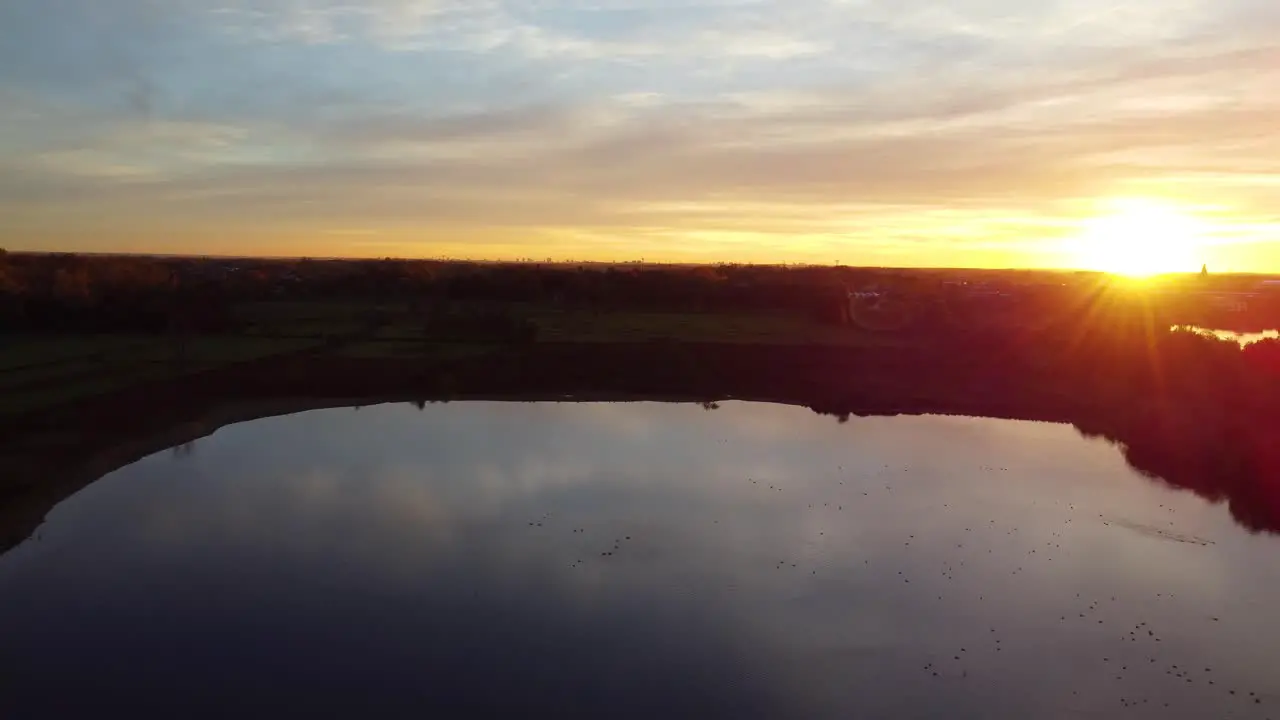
<point>638,560</point>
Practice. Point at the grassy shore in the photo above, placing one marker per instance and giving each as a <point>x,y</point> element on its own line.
<point>1206,444</point>
<point>39,373</point>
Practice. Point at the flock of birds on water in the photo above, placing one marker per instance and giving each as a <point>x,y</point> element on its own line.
<point>1137,654</point>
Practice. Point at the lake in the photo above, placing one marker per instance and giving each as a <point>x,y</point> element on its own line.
<point>1239,338</point>
<point>638,560</point>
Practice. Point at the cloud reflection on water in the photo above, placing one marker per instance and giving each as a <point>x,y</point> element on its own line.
<point>860,554</point>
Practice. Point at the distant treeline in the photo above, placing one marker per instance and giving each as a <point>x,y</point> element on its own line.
<point>78,293</point>
<point>83,294</point>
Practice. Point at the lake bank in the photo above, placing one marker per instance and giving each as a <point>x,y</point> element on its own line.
<point>1204,442</point>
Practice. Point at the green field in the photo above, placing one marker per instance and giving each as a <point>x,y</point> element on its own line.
<point>414,350</point>
<point>43,372</point>
<point>695,327</point>
<point>302,319</point>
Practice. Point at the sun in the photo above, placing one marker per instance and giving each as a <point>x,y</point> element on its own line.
<point>1140,238</point>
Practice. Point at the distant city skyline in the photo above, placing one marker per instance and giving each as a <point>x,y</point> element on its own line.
<point>1135,137</point>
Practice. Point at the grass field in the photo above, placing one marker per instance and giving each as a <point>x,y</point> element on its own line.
<point>42,372</point>
<point>321,319</point>
<point>696,327</point>
<point>22,353</point>
<point>39,372</point>
<point>302,319</point>
<point>420,350</point>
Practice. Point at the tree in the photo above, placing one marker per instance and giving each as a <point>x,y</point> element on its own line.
<point>8,278</point>
<point>11,302</point>
<point>73,285</point>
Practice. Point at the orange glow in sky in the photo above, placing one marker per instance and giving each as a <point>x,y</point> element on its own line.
<point>1136,138</point>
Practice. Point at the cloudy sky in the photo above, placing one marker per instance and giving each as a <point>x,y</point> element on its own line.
<point>887,132</point>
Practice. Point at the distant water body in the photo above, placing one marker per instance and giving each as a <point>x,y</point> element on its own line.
<point>638,560</point>
<point>1242,338</point>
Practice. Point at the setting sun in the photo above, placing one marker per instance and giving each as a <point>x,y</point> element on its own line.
<point>1140,239</point>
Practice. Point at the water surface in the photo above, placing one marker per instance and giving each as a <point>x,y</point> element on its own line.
<point>638,560</point>
<point>1242,339</point>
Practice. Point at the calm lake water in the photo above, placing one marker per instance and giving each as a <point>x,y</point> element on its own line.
<point>638,560</point>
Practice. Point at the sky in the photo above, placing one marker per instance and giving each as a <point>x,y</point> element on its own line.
<point>865,132</point>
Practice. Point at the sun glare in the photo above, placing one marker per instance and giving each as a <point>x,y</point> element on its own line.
<point>1140,239</point>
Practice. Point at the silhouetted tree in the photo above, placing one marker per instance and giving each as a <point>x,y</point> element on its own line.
<point>9,284</point>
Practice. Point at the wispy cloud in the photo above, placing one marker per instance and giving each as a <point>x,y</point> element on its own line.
<point>849,126</point>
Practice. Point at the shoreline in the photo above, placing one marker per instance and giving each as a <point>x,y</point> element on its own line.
<point>53,454</point>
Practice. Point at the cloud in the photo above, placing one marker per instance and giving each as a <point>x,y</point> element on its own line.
<point>607,119</point>
<point>327,21</point>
